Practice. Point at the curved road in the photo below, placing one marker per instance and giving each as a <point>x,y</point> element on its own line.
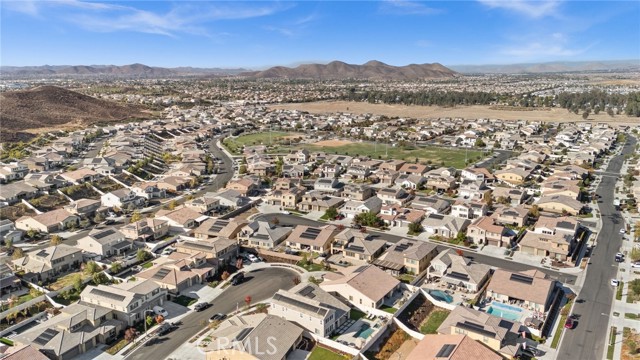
<point>292,220</point>
<point>587,340</point>
<point>260,284</point>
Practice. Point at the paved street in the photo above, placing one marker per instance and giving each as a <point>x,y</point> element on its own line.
<point>261,284</point>
<point>292,220</point>
<point>587,340</point>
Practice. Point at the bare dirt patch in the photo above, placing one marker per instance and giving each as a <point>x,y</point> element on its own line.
<point>466,112</point>
<point>333,143</point>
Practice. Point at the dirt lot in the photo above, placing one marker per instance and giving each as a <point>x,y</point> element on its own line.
<point>467,112</point>
<point>333,143</point>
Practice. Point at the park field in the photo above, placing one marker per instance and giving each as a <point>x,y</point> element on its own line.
<point>433,154</point>
<point>235,145</point>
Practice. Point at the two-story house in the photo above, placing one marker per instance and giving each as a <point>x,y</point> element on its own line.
<point>48,263</point>
<point>356,246</point>
<point>484,231</point>
<point>49,222</point>
<point>106,242</point>
<point>390,196</point>
<point>410,256</point>
<point>262,234</point>
<point>311,238</point>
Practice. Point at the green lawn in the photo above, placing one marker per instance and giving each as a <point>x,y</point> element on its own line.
<point>320,353</point>
<point>184,300</point>
<point>235,145</point>
<point>67,280</point>
<point>619,291</point>
<point>612,341</point>
<point>451,157</point>
<point>556,336</point>
<point>147,265</point>
<point>433,321</point>
<point>311,267</point>
<point>389,309</point>
<point>356,314</point>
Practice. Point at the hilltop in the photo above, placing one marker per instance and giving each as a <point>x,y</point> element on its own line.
<point>374,70</point>
<point>127,71</point>
<point>52,106</point>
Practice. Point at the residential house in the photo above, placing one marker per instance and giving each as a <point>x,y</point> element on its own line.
<point>394,215</point>
<point>179,272</point>
<point>258,336</point>
<point>387,177</point>
<point>530,289</point>
<point>357,192</point>
<point>516,216</point>
<point>121,198</point>
<point>499,334</point>
<point>80,176</point>
<point>458,271</point>
<point>181,220</point>
<point>366,286</point>
<point>509,196</point>
<point>148,190</point>
<point>475,174</point>
<point>316,201</point>
<point>9,233</point>
<point>17,191</point>
<point>219,228</point>
<point>49,222</point>
<point>472,189</point>
<point>262,234</point>
<point>357,246</point>
<point>390,196</point>
<point>431,204</point>
<point>84,207</point>
<point>106,242</point>
<point>231,199</point>
<point>9,282</point>
<point>293,171</point>
<point>48,263</point>
<point>326,185</point>
<point>550,225</point>
<point>310,307</point>
<point>245,186</point>
<point>567,188</point>
<point>445,226</point>
<point>354,207</point>
<point>13,171</point>
<point>560,204</point>
<point>469,209</point>
<point>127,300</point>
<point>484,231</point>
<point>416,169</point>
<point>557,246</point>
<point>444,183</point>
<point>174,183</point>
<point>514,176</point>
<point>393,165</point>
<point>410,181</point>
<point>287,198</point>
<point>146,229</point>
<point>410,256</point>
<point>204,204</point>
<point>311,238</point>
<point>358,172</point>
<point>451,347</point>
<point>220,251</point>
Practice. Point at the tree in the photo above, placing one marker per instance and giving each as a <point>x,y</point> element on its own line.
<point>77,283</point>
<point>98,218</point>
<point>149,320</point>
<point>496,145</point>
<point>100,278</point>
<point>242,170</point>
<point>239,263</point>
<point>8,243</point>
<point>331,213</point>
<point>130,334</point>
<point>159,319</point>
<point>92,268</point>
<point>313,280</point>
<point>296,280</point>
<point>585,114</point>
<point>143,255</point>
<point>368,219</point>
<point>56,240</point>
<point>461,237</point>
<point>415,228</point>
<point>480,143</point>
<point>534,211</point>
<point>488,198</point>
<point>136,216</point>
<point>116,267</point>
<point>31,233</point>
<point>172,205</point>
<point>17,254</point>
<point>279,165</point>
<point>225,275</point>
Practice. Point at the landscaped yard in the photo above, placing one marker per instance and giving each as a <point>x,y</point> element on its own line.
<point>264,138</point>
<point>612,343</point>
<point>184,300</point>
<point>67,280</point>
<point>630,344</point>
<point>451,157</point>
<point>433,321</point>
<point>391,345</point>
<point>356,314</point>
<point>320,353</point>
<point>311,266</point>
<point>389,309</point>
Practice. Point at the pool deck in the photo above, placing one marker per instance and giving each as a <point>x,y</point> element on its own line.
<point>350,334</point>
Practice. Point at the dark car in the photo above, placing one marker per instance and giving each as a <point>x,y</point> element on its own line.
<point>217,317</point>
<point>238,279</point>
<point>109,222</point>
<point>166,328</point>
<point>201,306</point>
<point>569,323</point>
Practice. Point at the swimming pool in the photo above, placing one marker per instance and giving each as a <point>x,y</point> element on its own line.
<point>441,296</point>
<point>366,333</point>
<point>506,307</point>
<point>505,314</point>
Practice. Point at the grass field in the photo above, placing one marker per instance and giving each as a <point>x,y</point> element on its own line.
<point>265,138</point>
<point>450,157</point>
<point>433,321</point>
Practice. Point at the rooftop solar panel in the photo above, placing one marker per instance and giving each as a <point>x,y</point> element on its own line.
<point>45,337</point>
<point>476,328</point>
<point>161,274</point>
<point>445,351</point>
<point>521,278</point>
<point>243,334</point>
<point>108,295</point>
<point>457,275</point>
<point>300,304</point>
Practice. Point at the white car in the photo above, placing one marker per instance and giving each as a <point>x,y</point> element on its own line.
<point>168,251</point>
<point>252,258</point>
<point>635,264</point>
<point>622,231</point>
<point>285,212</point>
<point>614,282</point>
<point>159,310</point>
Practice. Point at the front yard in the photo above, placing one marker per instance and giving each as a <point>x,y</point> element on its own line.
<point>184,300</point>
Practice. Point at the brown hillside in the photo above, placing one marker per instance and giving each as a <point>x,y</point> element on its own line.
<point>370,70</point>
<point>51,106</point>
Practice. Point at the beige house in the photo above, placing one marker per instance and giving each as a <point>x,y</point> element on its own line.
<point>458,271</point>
<point>311,238</point>
<point>451,347</point>
<point>179,272</point>
<point>106,242</point>
<point>557,246</point>
<point>312,308</point>
<point>506,215</point>
<point>366,287</point>
<point>485,232</point>
<point>515,176</point>
<point>316,201</point>
<point>219,228</point>
<point>262,234</point>
<point>48,263</point>
<point>560,204</point>
<point>411,256</point>
<point>49,222</point>
<point>287,198</point>
<point>245,186</point>
<point>357,246</point>
<point>180,220</point>
<point>529,289</point>
<point>500,335</point>
<point>220,251</point>
<point>146,229</point>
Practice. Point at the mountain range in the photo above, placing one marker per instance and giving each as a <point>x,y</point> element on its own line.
<point>133,70</point>
<point>550,67</point>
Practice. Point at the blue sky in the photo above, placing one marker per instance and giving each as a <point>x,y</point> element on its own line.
<point>262,33</point>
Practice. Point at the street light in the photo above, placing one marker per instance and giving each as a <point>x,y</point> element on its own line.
<point>144,315</point>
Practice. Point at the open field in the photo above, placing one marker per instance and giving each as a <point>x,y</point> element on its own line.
<point>264,138</point>
<point>450,157</point>
<point>333,143</point>
<point>467,112</point>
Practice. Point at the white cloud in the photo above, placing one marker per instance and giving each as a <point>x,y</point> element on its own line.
<point>182,18</point>
<point>549,47</point>
<point>405,7</point>
<point>534,9</point>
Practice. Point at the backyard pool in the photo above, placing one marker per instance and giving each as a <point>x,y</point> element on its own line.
<point>503,313</point>
<point>364,332</point>
<point>441,296</point>
<point>506,307</point>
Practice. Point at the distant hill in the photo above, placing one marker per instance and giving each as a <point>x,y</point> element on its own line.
<point>550,67</point>
<point>375,70</point>
<point>133,70</point>
<point>52,106</point>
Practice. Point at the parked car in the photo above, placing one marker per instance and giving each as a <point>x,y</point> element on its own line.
<point>622,231</point>
<point>635,264</point>
<point>217,317</point>
<point>619,257</point>
<point>252,258</point>
<point>286,212</point>
<point>201,306</point>
<point>237,279</point>
<point>159,310</point>
<point>615,282</point>
<point>166,328</point>
<point>168,251</point>
<point>569,323</point>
